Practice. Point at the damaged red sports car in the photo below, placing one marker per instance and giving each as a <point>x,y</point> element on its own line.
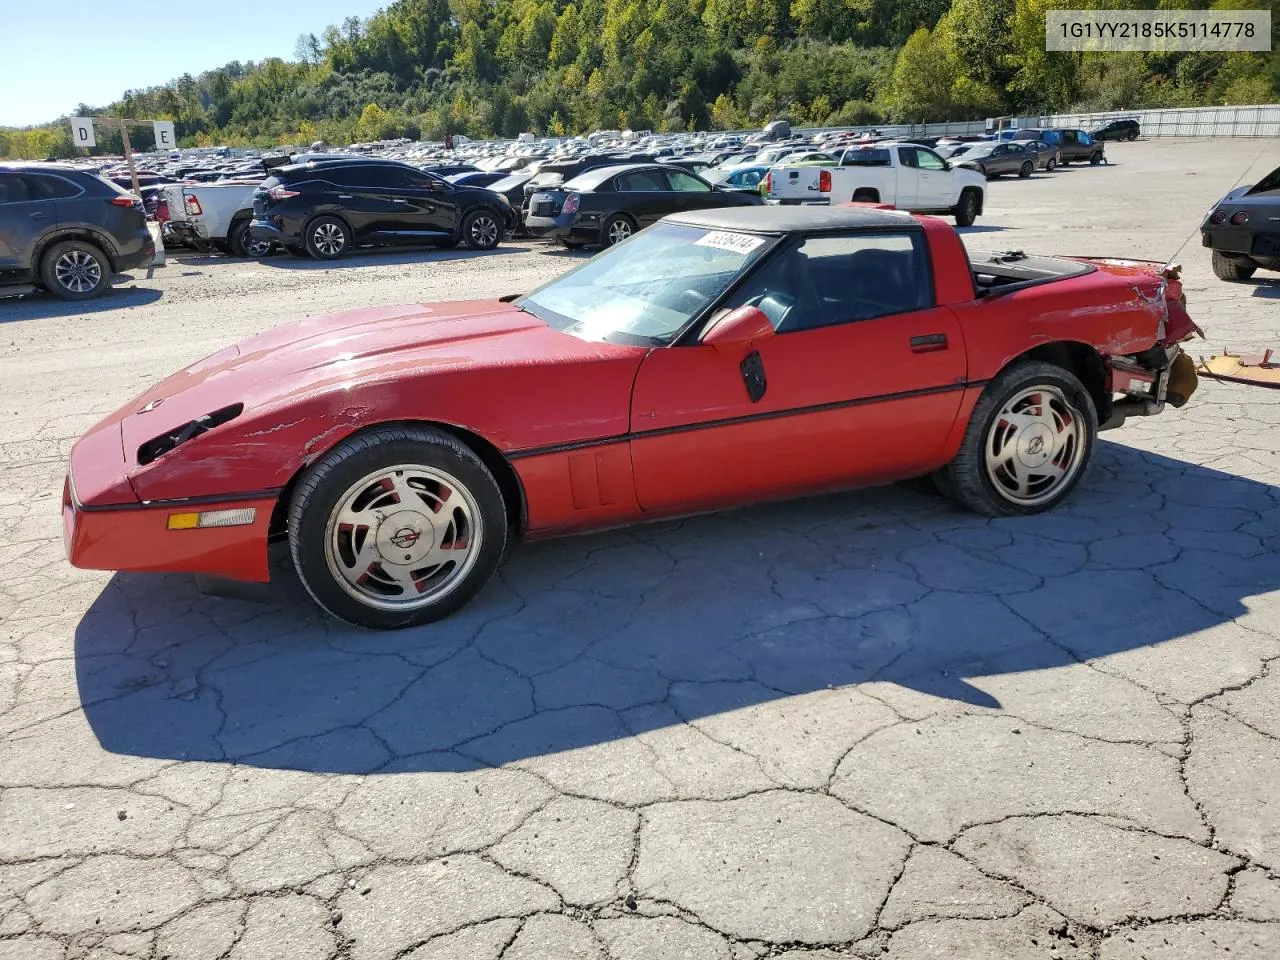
<point>715,359</point>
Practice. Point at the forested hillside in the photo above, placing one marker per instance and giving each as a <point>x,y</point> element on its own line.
<point>421,68</point>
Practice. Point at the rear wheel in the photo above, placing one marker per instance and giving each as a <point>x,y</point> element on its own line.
<point>1028,443</point>
<point>967,209</point>
<point>482,229</point>
<point>244,244</point>
<point>396,527</point>
<point>1049,166</point>
<point>1095,159</point>
<point>1133,135</point>
<point>619,227</point>
<point>75,270</point>
<point>866,196</point>
<point>327,238</point>
<point>1025,170</point>
<point>1229,268</point>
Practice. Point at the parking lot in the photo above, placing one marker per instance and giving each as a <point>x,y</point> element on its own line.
<point>864,724</point>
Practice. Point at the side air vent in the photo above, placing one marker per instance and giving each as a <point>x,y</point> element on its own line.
<point>159,446</point>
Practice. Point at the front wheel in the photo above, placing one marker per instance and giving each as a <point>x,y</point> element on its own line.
<point>481,229</point>
<point>1229,268</point>
<point>967,209</point>
<point>327,238</point>
<point>75,270</point>
<point>396,527</point>
<point>1028,443</point>
<point>1025,170</point>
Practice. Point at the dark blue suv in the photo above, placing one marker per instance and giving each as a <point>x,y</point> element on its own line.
<point>67,230</point>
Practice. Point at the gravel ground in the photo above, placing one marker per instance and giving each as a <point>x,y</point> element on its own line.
<point>861,724</point>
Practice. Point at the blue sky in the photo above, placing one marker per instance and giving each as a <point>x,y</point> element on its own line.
<point>57,53</point>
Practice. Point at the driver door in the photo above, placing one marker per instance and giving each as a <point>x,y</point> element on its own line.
<point>934,183</point>
<point>861,382</point>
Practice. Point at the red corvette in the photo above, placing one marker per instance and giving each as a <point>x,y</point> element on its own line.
<point>715,359</point>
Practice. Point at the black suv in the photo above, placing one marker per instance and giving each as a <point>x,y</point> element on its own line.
<point>67,231</point>
<point>325,207</point>
<point>1122,129</point>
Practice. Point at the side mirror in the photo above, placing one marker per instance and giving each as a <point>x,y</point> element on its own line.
<point>946,164</point>
<point>737,328</point>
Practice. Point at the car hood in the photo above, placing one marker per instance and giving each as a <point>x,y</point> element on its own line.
<point>342,352</point>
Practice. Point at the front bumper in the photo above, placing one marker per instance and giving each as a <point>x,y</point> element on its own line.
<point>113,530</point>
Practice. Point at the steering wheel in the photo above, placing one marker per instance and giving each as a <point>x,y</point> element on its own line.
<point>775,305</point>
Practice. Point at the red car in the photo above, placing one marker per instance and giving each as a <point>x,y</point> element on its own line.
<point>715,359</point>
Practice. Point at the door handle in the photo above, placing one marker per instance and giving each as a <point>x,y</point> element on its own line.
<point>39,216</point>
<point>344,196</point>
<point>399,201</point>
<point>929,343</point>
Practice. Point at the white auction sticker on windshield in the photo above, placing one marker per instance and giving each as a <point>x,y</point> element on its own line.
<point>736,242</point>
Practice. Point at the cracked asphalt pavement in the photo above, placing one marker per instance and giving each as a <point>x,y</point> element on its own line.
<point>867,724</point>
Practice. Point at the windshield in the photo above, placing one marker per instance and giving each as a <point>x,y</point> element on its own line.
<point>646,290</point>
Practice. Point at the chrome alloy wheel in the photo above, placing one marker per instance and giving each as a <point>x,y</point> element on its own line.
<point>403,537</point>
<point>484,232</point>
<point>77,271</point>
<point>329,239</point>
<point>1035,446</point>
<point>619,230</point>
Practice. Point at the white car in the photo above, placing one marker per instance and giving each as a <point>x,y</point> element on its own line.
<point>905,175</point>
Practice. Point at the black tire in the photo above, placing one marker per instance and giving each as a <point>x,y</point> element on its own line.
<point>1025,170</point>
<point>1095,159</point>
<point>244,245</point>
<point>1050,165</point>
<point>1133,135</point>
<point>1229,268</point>
<point>617,228</point>
<point>327,238</point>
<point>967,209</point>
<point>482,229</point>
<point>967,476</point>
<point>866,196</point>
<point>326,483</point>
<point>75,270</point>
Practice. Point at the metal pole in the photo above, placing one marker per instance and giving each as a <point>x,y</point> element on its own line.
<point>128,155</point>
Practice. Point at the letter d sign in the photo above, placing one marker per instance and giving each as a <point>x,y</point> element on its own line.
<point>164,135</point>
<point>82,132</point>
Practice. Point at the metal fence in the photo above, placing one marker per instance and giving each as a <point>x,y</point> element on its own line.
<point>1250,121</point>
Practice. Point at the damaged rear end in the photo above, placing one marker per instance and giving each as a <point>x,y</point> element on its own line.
<point>1145,382</point>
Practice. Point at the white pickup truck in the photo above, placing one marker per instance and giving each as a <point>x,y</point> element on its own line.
<point>215,215</point>
<point>906,175</point>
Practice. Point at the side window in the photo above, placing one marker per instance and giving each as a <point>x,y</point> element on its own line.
<point>47,187</point>
<point>929,160</point>
<point>353,176</point>
<point>642,181</point>
<point>751,178</point>
<point>681,181</point>
<point>1085,139</point>
<point>13,189</point>
<point>907,157</point>
<point>409,179</point>
<point>1069,137</point>
<point>1001,150</point>
<point>831,280</point>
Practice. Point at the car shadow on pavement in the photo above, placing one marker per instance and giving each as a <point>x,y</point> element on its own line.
<point>594,639</point>
<point>389,257</point>
<point>1268,287</point>
<point>39,306</point>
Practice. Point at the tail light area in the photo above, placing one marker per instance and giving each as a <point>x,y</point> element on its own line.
<point>768,182</point>
<point>276,194</point>
<point>824,181</point>
<point>162,211</point>
<point>192,206</point>
<point>130,202</point>
<point>1240,217</point>
<point>571,203</point>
